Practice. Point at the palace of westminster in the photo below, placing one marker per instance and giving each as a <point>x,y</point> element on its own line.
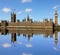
<point>29,27</point>
<point>28,23</point>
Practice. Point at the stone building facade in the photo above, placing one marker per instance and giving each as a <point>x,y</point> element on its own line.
<point>29,24</point>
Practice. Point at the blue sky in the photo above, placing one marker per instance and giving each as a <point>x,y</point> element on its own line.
<point>37,9</point>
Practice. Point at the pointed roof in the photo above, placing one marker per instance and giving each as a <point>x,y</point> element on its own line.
<point>56,12</point>
<point>28,17</point>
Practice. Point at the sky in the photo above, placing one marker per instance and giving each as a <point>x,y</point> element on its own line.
<point>37,9</point>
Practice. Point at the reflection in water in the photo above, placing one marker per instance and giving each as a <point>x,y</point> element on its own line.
<point>6,45</point>
<point>28,48</point>
<point>26,54</point>
<point>56,37</point>
<point>29,33</point>
<point>13,37</point>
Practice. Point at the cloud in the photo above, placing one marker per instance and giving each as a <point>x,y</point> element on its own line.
<point>28,10</point>
<point>6,45</point>
<point>20,43</point>
<point>26,1</point>
<point>19,12</point>
<point>56,7</point>
<point>26,54</point>
<point>56,49</point>
<point>28,45</point>
<point>6,10</point>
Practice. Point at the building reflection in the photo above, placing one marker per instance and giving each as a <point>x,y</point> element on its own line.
<point>56,37</point>
<point>29,33</point>
<point>4,31</point>
<point>13,37</point>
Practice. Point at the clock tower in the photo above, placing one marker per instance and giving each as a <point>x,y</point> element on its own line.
<point>56,18</point>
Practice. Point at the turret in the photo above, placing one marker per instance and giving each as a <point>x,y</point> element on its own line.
<point>13,17</point>
<point>28,19</point>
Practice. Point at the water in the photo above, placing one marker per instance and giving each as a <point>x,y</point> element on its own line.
<point>30,42</point>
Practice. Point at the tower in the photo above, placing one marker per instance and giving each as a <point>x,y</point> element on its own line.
<point>56,37</point>
<point>13,37</point>
<point>28,18</point>
<point>13,17</point>
<point>56,18</point>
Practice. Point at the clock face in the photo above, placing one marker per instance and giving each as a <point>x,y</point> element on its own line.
<point>56,15</point>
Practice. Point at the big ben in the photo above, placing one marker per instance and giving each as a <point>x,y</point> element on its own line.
<point>56,18</point>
